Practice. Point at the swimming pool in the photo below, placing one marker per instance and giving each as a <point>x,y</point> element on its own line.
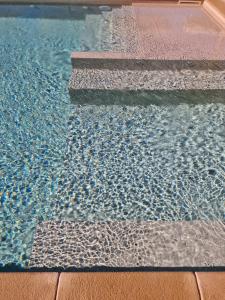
<point>62,161</point>
<point>36,43</point>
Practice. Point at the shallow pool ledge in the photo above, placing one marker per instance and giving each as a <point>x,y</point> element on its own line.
<point>119,77</point>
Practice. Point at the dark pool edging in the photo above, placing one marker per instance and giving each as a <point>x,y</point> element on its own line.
<point>15,268</point>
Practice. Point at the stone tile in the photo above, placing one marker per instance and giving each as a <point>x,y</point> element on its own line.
<point>132,286</point>
<point>128,244</point>
<point>211,285</point>
<point>29,286</point>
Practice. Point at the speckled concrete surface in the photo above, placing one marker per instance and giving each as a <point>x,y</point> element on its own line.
<point>128,244</point>
<point>106,79</point>
<point>165,32</point>
<point>120,31</point>
<point>179,32</point>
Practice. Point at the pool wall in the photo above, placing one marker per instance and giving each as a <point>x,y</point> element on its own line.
<point>80,2</point>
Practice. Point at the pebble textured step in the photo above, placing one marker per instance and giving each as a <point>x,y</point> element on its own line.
<point>102,72</point>
<point>154,48</point>
<point>128,244</point>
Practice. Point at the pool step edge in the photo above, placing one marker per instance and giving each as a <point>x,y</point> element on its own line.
<point>101,77</point>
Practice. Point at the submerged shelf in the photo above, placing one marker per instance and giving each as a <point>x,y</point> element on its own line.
<point>155,47</point>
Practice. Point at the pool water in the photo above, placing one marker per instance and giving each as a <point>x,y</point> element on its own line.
<point>92,162</point>
<point>35,47</point>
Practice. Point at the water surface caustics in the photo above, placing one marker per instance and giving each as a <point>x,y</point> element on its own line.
<point>93,162</point>
<point>35,47</point>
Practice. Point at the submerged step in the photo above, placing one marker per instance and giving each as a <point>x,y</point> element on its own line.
<point>155,48</point>
<point>128,244</point>
<point>127,78</point>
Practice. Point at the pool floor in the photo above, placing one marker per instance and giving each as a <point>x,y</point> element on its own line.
<point>75,174</point>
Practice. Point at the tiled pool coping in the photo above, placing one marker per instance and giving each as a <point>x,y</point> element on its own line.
<point>111,286</point>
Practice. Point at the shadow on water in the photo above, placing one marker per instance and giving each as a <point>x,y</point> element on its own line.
<point>146,64</point>
<point>68,12</point>
<point>133,98</point>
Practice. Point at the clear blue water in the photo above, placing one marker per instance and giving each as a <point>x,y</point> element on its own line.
<point>35,67</point>
<point>92,162</point>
